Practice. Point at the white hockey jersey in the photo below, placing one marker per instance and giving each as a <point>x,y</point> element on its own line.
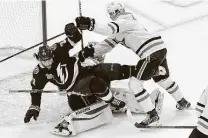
<point>129,32</point>
<point>202,110</point>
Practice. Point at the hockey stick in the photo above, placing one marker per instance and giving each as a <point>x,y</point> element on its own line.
<point>82,41</point>
<point>37,91</point>
<point>48,91</point>
<point>80,14</point>
<point>167,127</point>
<point>136,124</point>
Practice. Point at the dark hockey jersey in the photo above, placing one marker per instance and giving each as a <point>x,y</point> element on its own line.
<point>63,72</point>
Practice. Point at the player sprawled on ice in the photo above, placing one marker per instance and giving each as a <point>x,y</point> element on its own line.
<point>201,131</point>
<point>126,30</point>
<point>87,87</point>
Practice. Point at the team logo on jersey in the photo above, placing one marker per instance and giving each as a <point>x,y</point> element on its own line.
<point>62,73</point>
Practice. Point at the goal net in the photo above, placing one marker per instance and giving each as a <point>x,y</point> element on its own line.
<point>20,27</point>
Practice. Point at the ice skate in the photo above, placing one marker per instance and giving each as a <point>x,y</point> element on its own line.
<point>117,104</point>
<point>62,129</point>
<point>118,110</point>
<point>152,117</point>
<point>183,104</point>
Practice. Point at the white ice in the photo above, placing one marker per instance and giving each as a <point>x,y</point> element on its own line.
<point>184,30</point>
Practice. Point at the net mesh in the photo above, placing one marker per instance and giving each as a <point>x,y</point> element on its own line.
<point>20,27</point>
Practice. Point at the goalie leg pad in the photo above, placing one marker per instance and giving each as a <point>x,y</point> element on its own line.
<point>86,118</point>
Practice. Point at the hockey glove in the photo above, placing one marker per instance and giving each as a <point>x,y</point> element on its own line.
<point>86,52</point>
<point>85,23</point>
<point>72,32</point>
<point>33,111</point>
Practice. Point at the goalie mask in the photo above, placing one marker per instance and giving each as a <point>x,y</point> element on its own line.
<point>114,9</point>
<point>45,56</point>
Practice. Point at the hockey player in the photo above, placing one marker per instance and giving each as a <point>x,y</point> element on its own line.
<point>86,86</point>
<point>201,131</point>
<point>126,30</point>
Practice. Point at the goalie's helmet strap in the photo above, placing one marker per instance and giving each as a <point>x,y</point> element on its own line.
<point>45,53</point>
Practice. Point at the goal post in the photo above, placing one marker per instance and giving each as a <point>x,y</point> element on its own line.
<point>44,22</point>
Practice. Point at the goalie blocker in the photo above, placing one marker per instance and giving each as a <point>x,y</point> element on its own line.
<point>84,119</point>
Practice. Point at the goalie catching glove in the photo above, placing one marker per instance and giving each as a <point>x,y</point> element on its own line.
<point>85,23</point>
<point>33,111</point>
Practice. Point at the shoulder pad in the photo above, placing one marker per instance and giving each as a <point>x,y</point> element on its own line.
<point>63,42</point>
<point>36,70</point>
<point>54,46</point>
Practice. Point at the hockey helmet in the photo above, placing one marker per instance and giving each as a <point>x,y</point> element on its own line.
<point>114,9</point>
<point>45,53</point>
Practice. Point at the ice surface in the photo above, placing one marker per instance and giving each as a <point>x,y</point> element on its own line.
<point>184,30</point>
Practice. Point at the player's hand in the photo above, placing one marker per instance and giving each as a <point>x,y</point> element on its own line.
<point>72,32</point>
<point>33,111</point>
<point>85,23</point>
<point>86,52</point>
<point>70,29</point>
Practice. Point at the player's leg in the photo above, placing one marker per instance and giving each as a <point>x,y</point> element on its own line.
<point>77,102</point>
<point>197,134</point>
<point>114,71</point>
<point>147,70</point>
<point>143,99</point>
<point>202,109</point>
<point>201,130</point>
<point>90,85</point>
<point>111,71</point>
<point>128,97</point>
<point>141,94</point>
<point>203,100</point>
<point>100,88</point>
<point>162,78</point>
<point>84,119</point>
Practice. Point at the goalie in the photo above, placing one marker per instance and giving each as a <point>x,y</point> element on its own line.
<point>87,87</point>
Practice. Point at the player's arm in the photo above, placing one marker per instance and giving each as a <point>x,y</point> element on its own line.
<point>97,50</point>
<point>38,83</point>
<point>73,37</point>
<point>111,28</point>
<point>72,33</point>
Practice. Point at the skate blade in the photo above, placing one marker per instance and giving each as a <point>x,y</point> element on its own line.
<point>187,108</point>
<point>63,133</point>
<point>143,129</point>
